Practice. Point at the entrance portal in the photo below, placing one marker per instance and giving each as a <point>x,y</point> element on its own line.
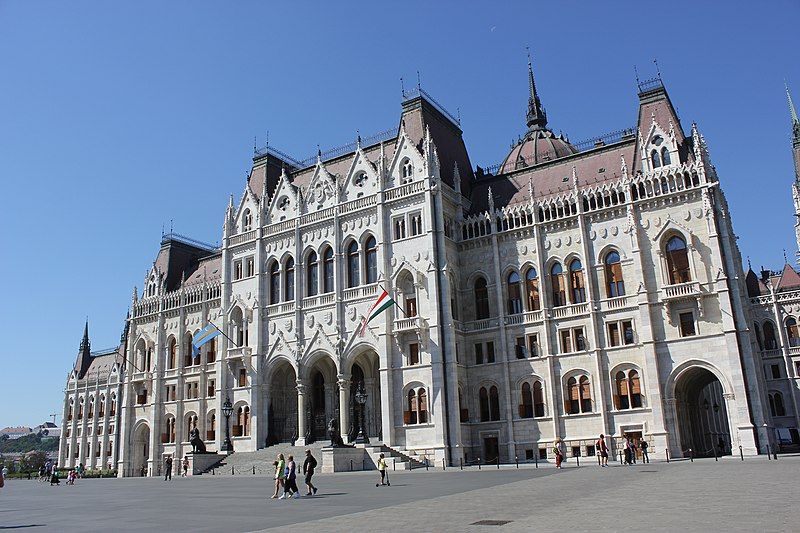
<point>365,373</point>
<point>282,411</point>
<point>141,450</point>
<point>702,415</point>
<point>491,449</point>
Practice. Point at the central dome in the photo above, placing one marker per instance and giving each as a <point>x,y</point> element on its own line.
<point>538,146</point>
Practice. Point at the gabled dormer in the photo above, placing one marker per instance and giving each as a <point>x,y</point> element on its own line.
<point>285,201</point>
<point>362,177</point>
<point>322,191</point>
<point>407,163</point>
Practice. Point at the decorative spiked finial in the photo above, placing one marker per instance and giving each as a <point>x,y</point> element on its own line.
<point>537,118</point>
<point>795,120</point>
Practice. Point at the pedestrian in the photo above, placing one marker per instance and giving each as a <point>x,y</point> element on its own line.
<point>80,469</point>
<point>633,451</point>
<point>185,466</point>
<point>627,449</point>
<point>279,465</point>
<point>42,473</point>
<point>2,475</point>
<point>290,489</point>
<point>381,469</point>
<point>643,445</point>
<point>54,476</point>
<point>168,468</point>
<point>71,475</point>
<point>308,469</point>
<point>558,453</point>
<point>602,449</point>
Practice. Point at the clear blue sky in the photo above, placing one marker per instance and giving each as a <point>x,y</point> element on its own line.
<point>116,118</point>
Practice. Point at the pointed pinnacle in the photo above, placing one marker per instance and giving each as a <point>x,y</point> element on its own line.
<point>792,109</point>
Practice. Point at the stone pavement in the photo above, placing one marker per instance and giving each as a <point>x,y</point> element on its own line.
<point>755,495</point>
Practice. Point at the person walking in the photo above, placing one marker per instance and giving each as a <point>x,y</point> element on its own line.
<point>168,468</point>
<point>381,470</point>
<point>643,446</point>
<point>308,470</point>
<point>185,465</point>
<point>279,475</point>
<point>79,471</point>
<point>602,449</point>
<point>54,476</point>
<point>558,453</point>
<point>290,489</point>
<point>627,449</point>
<point>633,451</point>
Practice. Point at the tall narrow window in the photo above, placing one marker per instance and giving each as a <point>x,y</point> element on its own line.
<point>188,354</point>
<point>481,299</point>
<point>410,416</point>
<point>526,401</point>
<point>678,261</point>
<point>479,353</point>
<point>514,294</point>
<point>665,159</point>
<point>494,403</point>
<point>792,332</point>
<point>770,342</point>
<point>247,220</point>
<point>559,290</point>
<point>371,260</point>
<point>327,265</point>
<point>576,281</point>
<point>538,399</point>
<point>532,289</point>
<point>422,402</point>
<point>483,398</point>
<point>407,171</point>
<point>288,282</point>
<point>250,267</point>
<point>413,353</point>
<point>655,159</point>
<point>399,224</point>
<point>415,221</point>
<point>211,355</point>
<point>352,265</point>
<point>614,284</point>
<point>490,352</point>
<point>274,283</point>
<point>173,353</point>
<point>312,276</point>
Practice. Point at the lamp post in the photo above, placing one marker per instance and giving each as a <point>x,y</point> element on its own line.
<point>361,400</point>
<point>227,410</point>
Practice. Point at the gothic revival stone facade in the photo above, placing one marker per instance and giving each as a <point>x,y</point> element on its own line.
<point>570,291</point>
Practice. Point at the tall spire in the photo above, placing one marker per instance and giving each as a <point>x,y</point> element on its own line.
<point>537,118</point>
<point>85,345</point>
<point>84,353</point>
<point>795,120</point>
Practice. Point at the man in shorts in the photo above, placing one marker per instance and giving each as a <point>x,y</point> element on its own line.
<point>602,449</point>
<point>308,469</point>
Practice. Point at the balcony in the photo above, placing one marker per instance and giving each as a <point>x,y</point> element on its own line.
<point>239,352</point>
<point>280,309</point>
<point>682,291</point>
<point>480,325</point>
<point>568,311</point>
<point>618,303</point>
<point>407,324</point>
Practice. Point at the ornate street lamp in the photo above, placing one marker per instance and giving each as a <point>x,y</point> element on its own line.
<point>361,400</point>
<point>227,411</point>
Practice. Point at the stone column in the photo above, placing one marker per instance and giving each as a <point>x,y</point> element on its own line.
<point>344,406</point>
<point>301,414</point>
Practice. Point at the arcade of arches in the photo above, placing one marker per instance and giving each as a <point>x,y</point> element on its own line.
<point>702,415</point>
<point>299,410</point>
<point>141,450</point>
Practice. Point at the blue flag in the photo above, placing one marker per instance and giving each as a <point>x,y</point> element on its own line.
<point>203,336</point>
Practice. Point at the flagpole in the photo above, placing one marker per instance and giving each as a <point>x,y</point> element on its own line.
<point>394,301</point>
<point>223,334</point>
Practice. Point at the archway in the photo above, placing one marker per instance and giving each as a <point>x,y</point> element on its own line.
<point>141,450</point>
<point>282,410</point>
<point>702,414</point>
<point>321,396</point>
<point>365,372</point>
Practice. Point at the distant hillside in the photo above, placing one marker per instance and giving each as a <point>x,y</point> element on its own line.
<point>28,443</point>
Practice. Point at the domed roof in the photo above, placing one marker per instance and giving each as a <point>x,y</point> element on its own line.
<point>539,143</point>
<point>538,146</point>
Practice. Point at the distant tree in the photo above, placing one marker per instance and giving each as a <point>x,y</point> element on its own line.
<point>31,461</point>
<point>28,443</point>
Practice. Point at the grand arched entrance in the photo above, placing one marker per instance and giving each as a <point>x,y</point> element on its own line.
<point>282,409</point>
<point>322,397</point>
<point>364,373</point>
<point>141,450</point>
<point>702,414</point>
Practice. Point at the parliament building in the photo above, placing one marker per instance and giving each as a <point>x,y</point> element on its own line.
<point>571,290</point>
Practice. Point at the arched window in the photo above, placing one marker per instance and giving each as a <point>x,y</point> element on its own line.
<point>627,390</point>
<point>371,250</point>
<point>149,361</point>
<point>169,431</point>
<point>792,332</point>
<point>665,159</point>
<point>327,267</point>
<point>526,401</point>
<point>417,407</point>
<point>211,427</point>
<point>578,286</point>
<point>483,398</point>
<point>494,403</point>
<point>559,287</point>
<point>101,410</point>
<point>312,276</point>
<point>770,343</point>
<point>211,351</point>
<point>191,424</point>
<point>247,220</point>
<point>654,159</point>
<point>532,289</point>
<point>242,427</point>
<point>759,337</point>
<point>274,283</point>
<point>113,410</point>
<point>90,410</point>
<point>514,294</point>
<point>70,413</point>
<point>579,395</point>
<point>188,354</point>
<point>481,299</point>
<point>538,399</point>
<point>677,261</point>
<point>80,409</point>
<point>780,410</point>
<point>238,327</point>
<point>614,284</point>
<point>288,281</point>
<point>173,354</point>
<point>407,171</point>
<point>352,265</point>
<point>422,397</point>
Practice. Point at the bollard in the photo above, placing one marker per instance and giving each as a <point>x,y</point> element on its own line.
<point>620,456</point>
<point>232,472</point>
<point>213,471</point>
<point>461,463</point>
<point>769,453</point>
<point>666,452</point>
<point>715,452</point>
<point>479,463</point>
<point>394,465</point>
<point>598,460</point>
<point>536,460</point>
<point>516,460</point>
<point>578,460</point>
<point>443,464</point>
<point>498,461</point>
<point>427,463</point>
<point>775,453</point>
<point>254,470</point>
<point>691,456</point>
<point>351,465</point>
<point>741,453</point>
<point>363,464</point>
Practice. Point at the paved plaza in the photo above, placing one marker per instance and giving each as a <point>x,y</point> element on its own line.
<point>729,495</point>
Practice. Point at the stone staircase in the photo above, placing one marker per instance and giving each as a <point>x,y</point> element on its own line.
<point>260,461</point>
<point>396,459</point>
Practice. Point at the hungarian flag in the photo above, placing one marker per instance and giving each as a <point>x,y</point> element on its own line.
<point>383,303</point>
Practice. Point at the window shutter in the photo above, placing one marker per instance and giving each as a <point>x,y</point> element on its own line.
<point>635,387</point>
<point>406,417</point>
